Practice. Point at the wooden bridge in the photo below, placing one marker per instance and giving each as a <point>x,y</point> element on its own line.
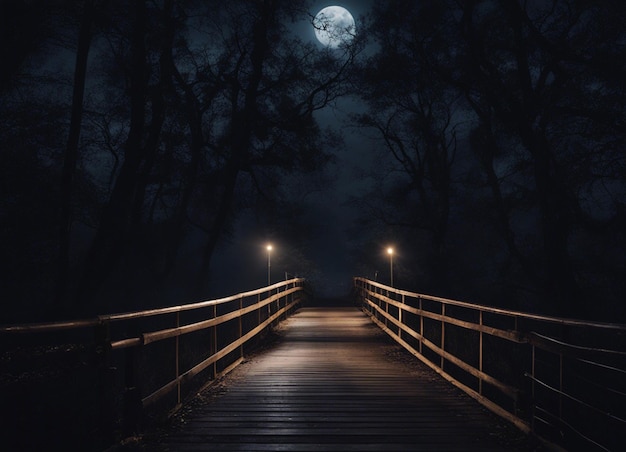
<point>332,383</point>
<point>456,376</point>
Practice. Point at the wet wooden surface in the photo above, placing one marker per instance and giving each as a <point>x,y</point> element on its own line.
<point>334,381</point>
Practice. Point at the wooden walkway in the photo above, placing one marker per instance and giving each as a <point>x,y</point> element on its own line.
<point>334,381</point>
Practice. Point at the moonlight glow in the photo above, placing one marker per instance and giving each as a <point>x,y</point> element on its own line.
<point>333,26</point>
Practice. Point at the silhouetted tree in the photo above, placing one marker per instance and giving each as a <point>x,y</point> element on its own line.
<point>71,152</point>
<point>412,112</point>
<point>190,111</point>
<point>537,69</point>
<point>540,110</point>
<point>271,88</point>
<point>23,31</point>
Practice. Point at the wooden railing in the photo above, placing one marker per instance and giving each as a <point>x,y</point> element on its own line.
<point>562,380</point>
<point>153,358</point>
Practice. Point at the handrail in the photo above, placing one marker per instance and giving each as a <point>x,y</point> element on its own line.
<point>494,310</point>
<point>191,306</point>
<point>83,323</point>
<point>228,325</point>
<point>46,327</point>
<point>541,374</point>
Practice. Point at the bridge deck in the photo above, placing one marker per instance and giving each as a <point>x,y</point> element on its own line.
<point>334,382</point>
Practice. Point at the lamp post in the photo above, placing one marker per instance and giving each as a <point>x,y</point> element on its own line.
<point>269,263</point>
<point>390,252</point>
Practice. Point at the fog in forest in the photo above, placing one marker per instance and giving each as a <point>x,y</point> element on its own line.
<point>149,152</point>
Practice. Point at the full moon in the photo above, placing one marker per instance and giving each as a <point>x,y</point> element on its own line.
<point>334,25</point>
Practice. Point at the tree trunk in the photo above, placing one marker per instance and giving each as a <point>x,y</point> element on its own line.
<point>113,233</point>
<point>556,221</point>
<point>556,217</point>
<point>71,155</point>
<point>190,178</point>
<point>487,149</point>
<point>241,134</point>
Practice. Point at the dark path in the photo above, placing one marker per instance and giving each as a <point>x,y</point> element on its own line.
<point>335,382</point>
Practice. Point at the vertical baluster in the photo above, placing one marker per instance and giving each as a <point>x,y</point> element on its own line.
<point>421,324</point>
<point>387,308</point>
<point>240,326</point>
<point>480,352</point>
<point>178,398</point>
<point>561,386</point>
<point>532,390</point>
<point>102,336</point>
<point>400,310</point>
<point>443,333</point>
<point>132,395</point>
<point>214,345</point>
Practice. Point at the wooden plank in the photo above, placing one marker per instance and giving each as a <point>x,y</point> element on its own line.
<point>334,382</point>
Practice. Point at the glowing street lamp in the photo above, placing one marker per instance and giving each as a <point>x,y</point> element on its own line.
<point>390,252</point>
<point>269,263</point>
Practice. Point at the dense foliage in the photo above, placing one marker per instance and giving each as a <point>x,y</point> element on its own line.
<point>135,131</point>
<point>504,126</point>
<point>135,135</point>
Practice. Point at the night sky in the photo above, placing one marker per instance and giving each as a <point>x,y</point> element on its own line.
<point>484,142</point>
<point>332,211</point>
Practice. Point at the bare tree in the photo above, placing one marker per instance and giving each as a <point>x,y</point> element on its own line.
<point>413,114</point>
<point>539,107</point>
<point>71,152</point>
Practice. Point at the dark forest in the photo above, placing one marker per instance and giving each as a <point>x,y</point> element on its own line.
<point>139,140</point>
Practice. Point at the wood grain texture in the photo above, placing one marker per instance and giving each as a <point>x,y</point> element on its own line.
<point>334,381</point>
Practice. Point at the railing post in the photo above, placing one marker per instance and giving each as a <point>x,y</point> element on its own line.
<point>400,310</point>
<point>480,352</point>
<point>105,382</point>
<point>132,395</point>
<point>443,333</point>
<point>421,324</point>
<point>214,344</point>
<point>387,309</point>
<point>380,303</point>
<point>240,326</point>
<point>363,297</point>
<point>561,386</point>
<point>532,390</point>
<point>178,397</point>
